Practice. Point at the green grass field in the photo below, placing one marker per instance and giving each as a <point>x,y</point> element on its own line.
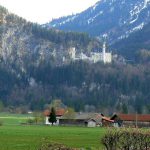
<point>14,136</point>
<point>14,119</point>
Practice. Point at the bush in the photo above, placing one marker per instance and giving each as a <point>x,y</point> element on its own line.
<point>30,121</point>
<point>110,140</point>
<point>127,139</point>
<point>38,118</point>
<point>53,146</point>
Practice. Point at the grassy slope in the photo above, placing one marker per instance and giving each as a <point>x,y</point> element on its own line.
<point>17,137</point>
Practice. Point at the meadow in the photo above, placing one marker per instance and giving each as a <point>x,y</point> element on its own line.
<point>14,136</point>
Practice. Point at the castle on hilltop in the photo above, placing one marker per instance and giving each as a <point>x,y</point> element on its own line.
<point>105,57</point>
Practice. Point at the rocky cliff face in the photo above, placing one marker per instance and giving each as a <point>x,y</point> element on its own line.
<point>115,18</point>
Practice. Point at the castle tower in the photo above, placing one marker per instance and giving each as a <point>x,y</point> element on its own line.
<point>104,52</point>
<point>72,53</point>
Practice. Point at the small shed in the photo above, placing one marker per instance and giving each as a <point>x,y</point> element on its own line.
<point>91,123</point>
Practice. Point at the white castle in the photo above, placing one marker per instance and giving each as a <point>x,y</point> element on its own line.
<point>95,57</point>
<point>105,57</point>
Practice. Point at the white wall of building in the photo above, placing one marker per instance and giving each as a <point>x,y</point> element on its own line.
<point>91,123</point>
<point>72,53</point>
<point>95,56</point>
<point>49,123</point>
<point>108,58</point>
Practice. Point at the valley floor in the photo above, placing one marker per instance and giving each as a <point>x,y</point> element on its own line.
<point>30,137</point>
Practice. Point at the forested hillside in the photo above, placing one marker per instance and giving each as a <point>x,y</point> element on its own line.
<point>24,46</point>
<point>137,41</point>
<point>23,41</point>
<point>123,88</point>
<point>32,71</point>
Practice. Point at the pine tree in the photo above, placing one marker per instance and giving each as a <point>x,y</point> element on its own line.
<point>52,116</point>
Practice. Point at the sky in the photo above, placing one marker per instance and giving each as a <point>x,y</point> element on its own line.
<point>42,11</point>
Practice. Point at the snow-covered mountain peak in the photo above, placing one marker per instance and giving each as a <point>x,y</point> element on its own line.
<point>116,18</point>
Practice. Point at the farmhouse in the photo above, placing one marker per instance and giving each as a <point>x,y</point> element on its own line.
<point>132,120</point>
<point>59,114</point>
<point>83,119</point>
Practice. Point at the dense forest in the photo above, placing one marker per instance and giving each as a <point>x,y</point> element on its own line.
<point>109,88</point>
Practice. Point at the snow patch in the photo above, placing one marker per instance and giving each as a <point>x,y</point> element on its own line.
<point>137,10</point>
<point>146,2</point>
<point>94,7</point>
<point>90,20</point>
<point>139,27</point>
<point>69,19</point>
<point>134,20</point>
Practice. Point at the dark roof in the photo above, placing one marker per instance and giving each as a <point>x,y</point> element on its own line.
<point>133,117</point>
<point>114,117</point>
<point>97,118</point>
<point>107,119</point>
<point>86,117</point>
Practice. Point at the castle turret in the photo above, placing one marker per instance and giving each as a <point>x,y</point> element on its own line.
<point>104,52</point>
<point>72,53</point>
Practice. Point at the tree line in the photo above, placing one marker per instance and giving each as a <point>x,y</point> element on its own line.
<point>112,87</point>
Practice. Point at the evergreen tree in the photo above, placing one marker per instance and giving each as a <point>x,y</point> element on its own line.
<point>52,116</point>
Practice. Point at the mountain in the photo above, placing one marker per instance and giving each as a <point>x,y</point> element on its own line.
<point>25,47</point>
<point>22,42</point>
<point>35,69</point>
<point>130,47</point>
<point>115,18</point>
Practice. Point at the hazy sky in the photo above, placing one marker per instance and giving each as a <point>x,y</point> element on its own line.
<point>42,11</point>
